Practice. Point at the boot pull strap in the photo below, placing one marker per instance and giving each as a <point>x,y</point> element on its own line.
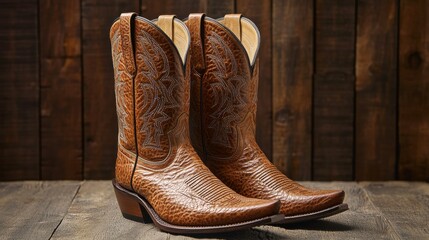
<point>166,23</point>
<point>233,23</point>
<point>196,29</point>
<point>126,21</point>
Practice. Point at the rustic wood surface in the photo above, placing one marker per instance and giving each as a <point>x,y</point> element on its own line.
<point>376,89</point>
<point>342,91</point>
<point>214,9</point>
<point>33,210</point>
<point>333,90</point>
<point>293,68</point>
<point>19,91</point>
<point>60,89</point>
<point>413,113</point>
<point>88,210</point>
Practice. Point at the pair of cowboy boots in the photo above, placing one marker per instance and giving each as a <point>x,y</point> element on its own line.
<point>186,95</point>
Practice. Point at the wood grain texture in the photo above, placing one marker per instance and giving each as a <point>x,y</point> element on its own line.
<point>413,90</point>
<point>152,9</point>
<point>315,119</point>
<point>260,13</point>
<point>88,210</point>
<point>216,9</point>
<point>361,221</point>
<point>333,126</point>
<point>376,212</point>
<point>212,8</point>
<point>61,84</point>
<point>403,205</point>
<point>292,87</point>
<point>19,90</point>
<point>376,85</point>
<point>100,123</point>
<point>32,210</point>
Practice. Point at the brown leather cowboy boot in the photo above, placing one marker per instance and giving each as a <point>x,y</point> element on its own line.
<point>223,111</point>
<point>159,176</point>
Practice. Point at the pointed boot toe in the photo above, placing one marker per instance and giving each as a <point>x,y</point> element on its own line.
<point>315,205</point>
<point>260,208</point>
<point>332,198</point>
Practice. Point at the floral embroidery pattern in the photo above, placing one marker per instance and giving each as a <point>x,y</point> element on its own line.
<point>227,91</point>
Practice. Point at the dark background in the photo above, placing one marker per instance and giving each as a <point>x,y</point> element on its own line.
<point>343,92</point>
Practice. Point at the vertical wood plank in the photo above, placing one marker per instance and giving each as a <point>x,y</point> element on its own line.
<point>376,75</point>
<point>260,13</point>
<point>182,8</point>
<point>19,90</point>
<point>292,86</point>
<point>100,125</point>
<point>216,8</point>
<point>414,90</point>
<point>334,90</point>
<point>61,97</point>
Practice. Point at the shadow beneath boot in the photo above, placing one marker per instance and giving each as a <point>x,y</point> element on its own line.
<point>248,234</point>
<point>321,225</point>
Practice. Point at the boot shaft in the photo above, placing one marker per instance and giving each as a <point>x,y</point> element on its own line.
<point>150,61</point>
<point>124,74</point>
<point>224,84</point>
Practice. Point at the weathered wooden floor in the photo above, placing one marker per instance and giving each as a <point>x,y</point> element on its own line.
<point>88,210</point>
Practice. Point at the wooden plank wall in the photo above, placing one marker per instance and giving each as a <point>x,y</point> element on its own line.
<point>343,91</point>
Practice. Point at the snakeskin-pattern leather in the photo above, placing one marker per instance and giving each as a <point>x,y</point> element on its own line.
<point>227,88</point>
<point>153,87</point>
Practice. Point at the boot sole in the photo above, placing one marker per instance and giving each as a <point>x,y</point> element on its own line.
<point>315,215</point>
<point>136,208</point>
